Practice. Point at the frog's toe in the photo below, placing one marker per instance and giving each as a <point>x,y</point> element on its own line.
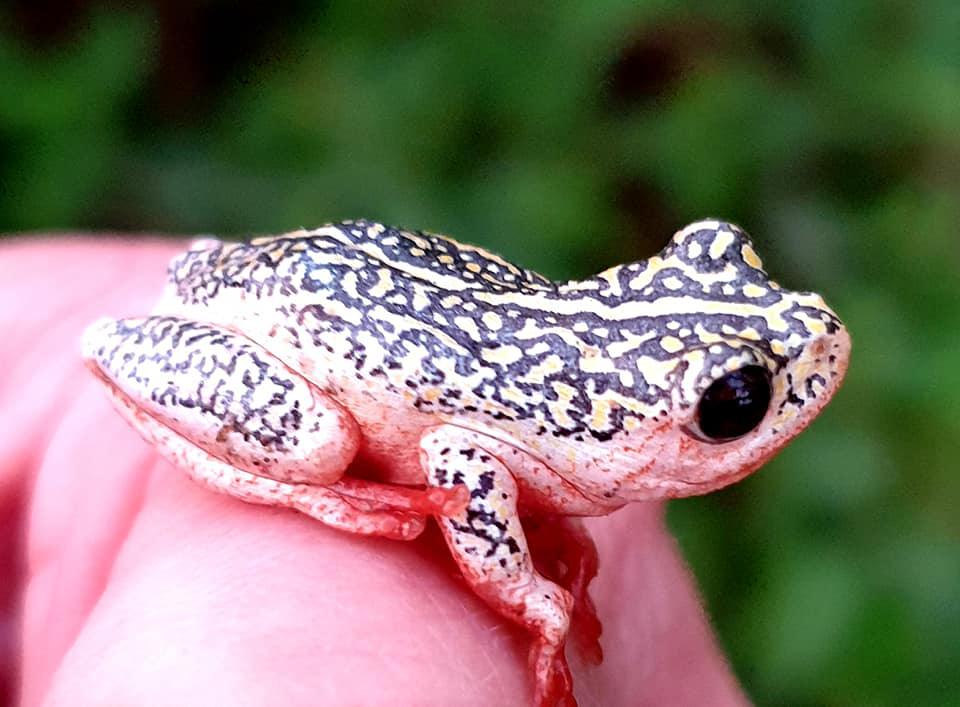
<point>554,683</point>
<point>450,501</point>
<point>585,629</point>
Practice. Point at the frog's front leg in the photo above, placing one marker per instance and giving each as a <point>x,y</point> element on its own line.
<point>489,545</point>
<point>240,421</point>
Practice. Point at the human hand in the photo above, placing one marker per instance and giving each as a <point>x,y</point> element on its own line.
<point>143,588</point>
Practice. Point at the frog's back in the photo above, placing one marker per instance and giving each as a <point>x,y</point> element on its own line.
<point>368,304</point>
<point>303,260</point>
<point>429,257</point>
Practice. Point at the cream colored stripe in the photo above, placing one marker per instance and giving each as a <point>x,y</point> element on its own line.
<point>661,307</point>
<point>446,282</point>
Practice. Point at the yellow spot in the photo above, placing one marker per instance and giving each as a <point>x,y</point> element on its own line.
<point>777,347</point>
<point>585,285</point>
<point>721,242</point>
<point>612,278</point>
<point>617,349</point>
<point>532,330</point>
<point>626,402</point>
<point>752,290</point>
<point>468,325</point>
<point>601,414</point>
<point>643,278</point>
<point>445,259</point>
<point>451,301</point>
<point>671,344</point>
<point>473,267</point>
<point>655,371</point>
<point>709,337</point>
<point>349,284</point>
<point>750,257</point>
<point>503,355</point>
<point>538,373</point>
<point>596,364</point>
<point>512,395</point>
<point>420,301</point>
<point>816,326</point>
<point>492,321</point>
<point>417,252</point>
<point>750,333</point>
<point>421,243</point>
<point>561,406</point>
<point>384,284</point>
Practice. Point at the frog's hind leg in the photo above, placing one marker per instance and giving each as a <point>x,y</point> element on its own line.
<point>323,503</point>
<point>488,543</point>
<point>239,420</point>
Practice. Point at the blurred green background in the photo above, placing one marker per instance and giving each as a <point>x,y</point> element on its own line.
<point>570,136</point>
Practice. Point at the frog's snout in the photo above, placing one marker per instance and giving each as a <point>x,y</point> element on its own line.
<point>813,378</point>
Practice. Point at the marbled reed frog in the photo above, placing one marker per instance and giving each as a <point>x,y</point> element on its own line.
<point>480,392</point>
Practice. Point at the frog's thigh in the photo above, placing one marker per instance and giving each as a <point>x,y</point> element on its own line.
<point>488,544</point>
<point>238,420</point>
<point>226,395</point>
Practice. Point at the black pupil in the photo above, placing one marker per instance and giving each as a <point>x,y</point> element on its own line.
<point>735,404</point>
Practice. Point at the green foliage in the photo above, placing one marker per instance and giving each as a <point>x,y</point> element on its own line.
<point>569,136</point>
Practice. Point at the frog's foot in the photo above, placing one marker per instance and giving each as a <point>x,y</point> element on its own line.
<point>564,551</point>
<point>240,421</point>
<point>488,543</point>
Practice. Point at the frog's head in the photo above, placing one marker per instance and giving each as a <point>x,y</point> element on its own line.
<point>741,366</point>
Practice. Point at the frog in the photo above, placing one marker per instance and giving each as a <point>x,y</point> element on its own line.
<point>481,394</point>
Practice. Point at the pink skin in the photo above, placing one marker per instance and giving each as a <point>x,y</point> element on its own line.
<point>134,585</point>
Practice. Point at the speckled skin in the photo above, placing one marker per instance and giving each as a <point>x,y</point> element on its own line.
<point>269,366</point>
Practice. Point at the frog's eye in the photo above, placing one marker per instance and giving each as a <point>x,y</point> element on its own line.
<point>735,404</point>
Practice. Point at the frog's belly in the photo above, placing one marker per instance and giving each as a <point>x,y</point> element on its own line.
<point>390,450</point>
